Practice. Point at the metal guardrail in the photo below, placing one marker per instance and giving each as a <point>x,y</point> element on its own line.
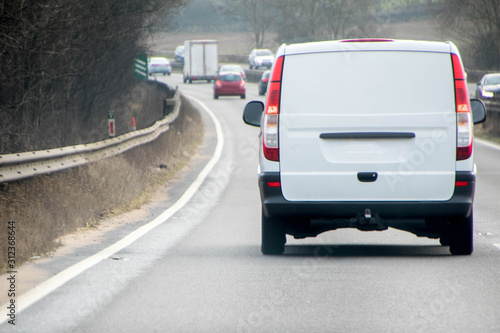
<point>254,75</point>
<point>28,164</point>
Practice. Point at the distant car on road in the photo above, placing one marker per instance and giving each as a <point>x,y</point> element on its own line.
<point>159,65</point>
<point>229,84</point>
<point>232,69</point>
<point>488,90</point>
<point>264,79</point>
<point>260,58</point>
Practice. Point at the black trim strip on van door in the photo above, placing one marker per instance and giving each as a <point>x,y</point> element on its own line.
<point>368,135</point>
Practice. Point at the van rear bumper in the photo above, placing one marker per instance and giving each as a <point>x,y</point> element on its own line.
<point>459,205</point>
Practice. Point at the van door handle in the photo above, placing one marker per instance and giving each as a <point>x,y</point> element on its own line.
<point>367,177</point>
<point>368,135</point>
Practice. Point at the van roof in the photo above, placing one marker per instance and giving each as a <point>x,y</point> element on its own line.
<point>353,45</point>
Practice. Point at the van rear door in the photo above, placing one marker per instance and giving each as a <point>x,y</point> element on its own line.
<point>367,126</point>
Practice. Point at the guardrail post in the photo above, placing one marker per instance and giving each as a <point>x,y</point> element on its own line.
<point>169,104</point>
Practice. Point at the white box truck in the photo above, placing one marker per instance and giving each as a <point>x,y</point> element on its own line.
<point>200,60</point>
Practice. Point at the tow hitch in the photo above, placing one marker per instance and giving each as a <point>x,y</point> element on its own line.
<point>363,221</point>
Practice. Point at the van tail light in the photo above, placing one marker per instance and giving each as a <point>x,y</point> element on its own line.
<point>464,117</point>
<point>271,113</point>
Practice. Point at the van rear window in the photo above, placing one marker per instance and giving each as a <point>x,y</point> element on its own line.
<point>367,82</point>
<point>230,77</point>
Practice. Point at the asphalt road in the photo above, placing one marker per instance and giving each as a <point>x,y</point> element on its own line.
<point>201,269</point>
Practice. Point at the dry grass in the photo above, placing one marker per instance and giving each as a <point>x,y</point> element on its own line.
<point>490,130</point>
<point>47,207</point>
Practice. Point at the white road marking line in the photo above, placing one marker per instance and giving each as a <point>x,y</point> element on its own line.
<point>487,143</point>
<point>494,146</point>
<point>37,293</point>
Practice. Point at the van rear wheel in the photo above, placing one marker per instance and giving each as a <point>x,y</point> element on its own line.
<point>461,236</point>
<point>273,236</point>
<point>445,239</point>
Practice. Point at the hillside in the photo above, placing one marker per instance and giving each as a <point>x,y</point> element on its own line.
<point>238,43</point>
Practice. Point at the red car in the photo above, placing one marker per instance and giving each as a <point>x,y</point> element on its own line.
<point>229,84</point>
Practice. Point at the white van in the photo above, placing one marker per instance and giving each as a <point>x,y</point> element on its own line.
<point>367,134</point>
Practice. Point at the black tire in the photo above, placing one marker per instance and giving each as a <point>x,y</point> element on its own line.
<point>273,236</point>
<point>243,96</point>
<point>261,92</point>
<point>461,236</point>
<point>216,96</point>
<point>445,239</point>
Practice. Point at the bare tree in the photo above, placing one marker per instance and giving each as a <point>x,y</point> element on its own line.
<point>299,20</point>
<point>311,12</point>
<point>477,23</point>
<point>309,20</point>
<point>288,21</point>
<point>64,64</point>
<point>338,16</point>
<point>256,13</point>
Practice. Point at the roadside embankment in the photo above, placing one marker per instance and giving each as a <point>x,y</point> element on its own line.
<point>49,206</point>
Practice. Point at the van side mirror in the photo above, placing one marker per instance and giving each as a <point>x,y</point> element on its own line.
<point>253,113</point>
<point>478,111</point>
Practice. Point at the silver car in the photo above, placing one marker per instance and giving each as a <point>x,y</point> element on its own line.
<point>260,58</point>
<point>159,65</point>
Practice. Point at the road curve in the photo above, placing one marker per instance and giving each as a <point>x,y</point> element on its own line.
<point>202,270</point>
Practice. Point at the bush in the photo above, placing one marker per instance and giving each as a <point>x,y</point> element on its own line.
<point>65,64</point>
